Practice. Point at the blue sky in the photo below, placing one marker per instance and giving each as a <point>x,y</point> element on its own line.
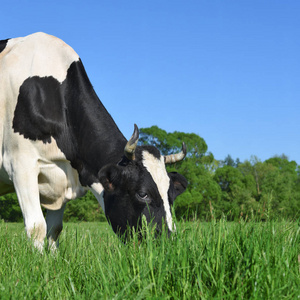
<point>226,70</point>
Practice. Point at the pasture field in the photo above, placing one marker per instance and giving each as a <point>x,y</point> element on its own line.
<point>215,260</point>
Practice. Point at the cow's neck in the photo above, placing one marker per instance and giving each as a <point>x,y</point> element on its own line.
<point>95,136</point>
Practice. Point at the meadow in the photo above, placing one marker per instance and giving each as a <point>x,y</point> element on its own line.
<point>212,260</point>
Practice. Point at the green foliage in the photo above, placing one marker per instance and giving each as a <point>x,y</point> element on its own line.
<point>171,142</point>
<point>10,209</point>
<point>214,260</point>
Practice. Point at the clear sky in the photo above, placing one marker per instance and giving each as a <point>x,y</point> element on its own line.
<point>226,70</point>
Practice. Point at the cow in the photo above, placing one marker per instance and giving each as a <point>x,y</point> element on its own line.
<point>58,142</point>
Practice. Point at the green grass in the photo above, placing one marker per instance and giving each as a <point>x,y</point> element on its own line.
<point>217,260</point>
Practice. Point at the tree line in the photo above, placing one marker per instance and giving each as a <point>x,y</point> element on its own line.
<point>228,188</point>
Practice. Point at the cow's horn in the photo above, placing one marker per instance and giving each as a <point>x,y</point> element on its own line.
<point>131,144</point>
<point>173,158</point>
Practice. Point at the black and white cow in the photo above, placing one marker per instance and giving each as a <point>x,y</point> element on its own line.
<point>58,141</point>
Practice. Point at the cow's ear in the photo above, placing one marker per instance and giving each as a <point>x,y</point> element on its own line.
<point>110,177</point>
<point>179,182</point>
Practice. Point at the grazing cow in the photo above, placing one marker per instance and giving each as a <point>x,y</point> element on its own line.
<point>58,141</point>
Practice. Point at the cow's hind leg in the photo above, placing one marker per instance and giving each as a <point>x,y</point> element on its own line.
<point>26,187</point>
<point>54,219</point>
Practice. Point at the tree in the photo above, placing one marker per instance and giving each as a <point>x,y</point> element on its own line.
<point>275,185</point>
<point>169,143</point>
<point>258,171</point>
<point>283,183</point>
<point>229,161</point>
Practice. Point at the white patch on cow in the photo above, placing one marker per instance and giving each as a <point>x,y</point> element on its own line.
<point>97,189</point>
<point>156,167</point>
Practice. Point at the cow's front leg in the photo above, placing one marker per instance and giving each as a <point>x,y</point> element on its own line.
<point>26,187</point>
<point>54,219</point>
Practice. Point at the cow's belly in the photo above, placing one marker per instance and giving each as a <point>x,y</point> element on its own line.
<point>58,183</point>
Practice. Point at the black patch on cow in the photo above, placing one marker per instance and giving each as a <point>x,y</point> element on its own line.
<point>3,44</point>
<point>40,113</point>
<point>73,115</point>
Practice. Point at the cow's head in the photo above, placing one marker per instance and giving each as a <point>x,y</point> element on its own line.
<point>140,186</point>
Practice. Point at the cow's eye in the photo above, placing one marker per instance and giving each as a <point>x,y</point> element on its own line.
<point>142,195</point>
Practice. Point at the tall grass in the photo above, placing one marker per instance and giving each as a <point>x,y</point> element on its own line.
<point>215,260</point>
